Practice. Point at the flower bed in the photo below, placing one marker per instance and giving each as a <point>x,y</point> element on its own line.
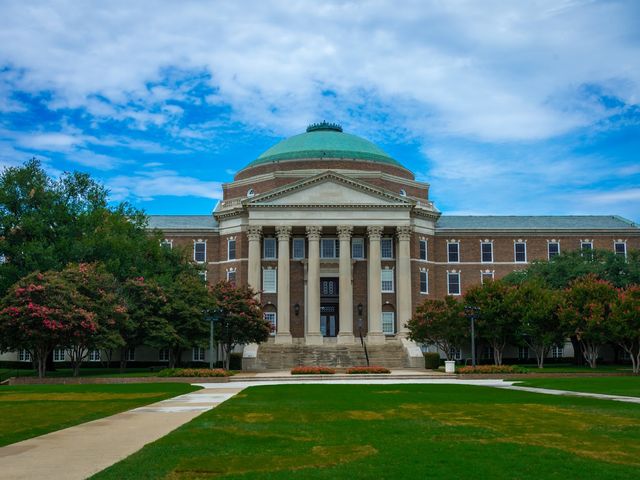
<point>194,372</point>
<point>313,371</point>
<point>367,370</point>
<point>492,369</point>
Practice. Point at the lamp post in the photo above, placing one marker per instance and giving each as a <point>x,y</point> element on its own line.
<point>212,317</point>
<point>366,354</point>
<point>471,311</point>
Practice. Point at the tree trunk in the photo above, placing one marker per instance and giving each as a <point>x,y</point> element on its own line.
<point>123,359</point>
<point>578,357</point>
<point>498,348</point>
<point>540,353</point>
<point>41,361</point>
<point>590,353</point>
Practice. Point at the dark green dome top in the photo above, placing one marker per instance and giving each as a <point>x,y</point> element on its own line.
<point>324,140</point>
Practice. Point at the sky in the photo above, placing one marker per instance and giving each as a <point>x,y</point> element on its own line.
<point>505,108</point>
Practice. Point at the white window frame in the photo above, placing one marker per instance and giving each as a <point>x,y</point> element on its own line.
<point>273,318</point>
<point>167,242</point>
<point>549,256</point>
<point>521,353</point>
<point>423,243</point>
<point>390,274</point>
<point>59,354</point>
<point>386,243</point>
<point>456,353</point>
<point>334,242</point>
<point>357,241</point>
<point>457,252</point>
<point>231,241</point>
<point>299,241</point>
<point>449,274</point>
<point>424,274</point>
<point>515,252</point>
<point>131,354</point>
<point>204,253</point>
<point>583,244</point>
<point>624,244</point>
<point>24,355</point>
<point>269,241</point>
<point>231,272</point>
<point>491,276</point>
<point>203,275</point>
<point>267,282</point>
<point>198,354</point>
<point>94,355</point>
<point>482,244</point>
<point>557,351</point>
<point>163,355</point>
<point>388,323</point>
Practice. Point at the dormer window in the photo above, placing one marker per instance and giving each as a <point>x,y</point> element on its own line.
<point>251,192</point>
<point>403,192</point>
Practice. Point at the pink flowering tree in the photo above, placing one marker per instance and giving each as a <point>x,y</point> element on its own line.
<point>625,323</point>
<point>241,320</point>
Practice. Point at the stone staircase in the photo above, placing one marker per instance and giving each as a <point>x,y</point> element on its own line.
<point>283,357</point>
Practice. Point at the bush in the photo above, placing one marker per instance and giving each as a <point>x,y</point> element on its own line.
<point>492,369</point>
<point>367,370</point>
<point>194,372</point>
<point>313,371</point>
<point>431,360</point>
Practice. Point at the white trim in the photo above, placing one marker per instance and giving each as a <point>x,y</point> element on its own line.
<point>486,242</point>
<point>515,254</point>
<point>620,242</point>
<point>59,354</point>
<point>273,320</point>
<point>235,246</point>
<point>275,248</point>
<point>336,247</point>
<point>198,354</point>
<point>552,242</point>
<point>486,273</point>
<point>424,241</point>
<point>298,240</point>
<point>426,276</point>
<point>382,280</point>
<point>389,322</point>
<point>167,241</point>
<point>357,241</point>
<point>454,272</point>
<point>265,281</point>
<point>200,242</point>
<point>228,273</point>
<point>384,240</point>
<point>453,242</point>
<point>94,355</point>
<point>586,242</point>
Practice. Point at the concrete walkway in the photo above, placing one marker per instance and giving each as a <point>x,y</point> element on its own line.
<point>550,391</point>
<point>81,451</point>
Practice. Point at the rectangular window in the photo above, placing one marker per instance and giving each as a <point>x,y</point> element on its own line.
<point>197,354</point>
<point>520,252</point>
<point>131,354</point>
<point>620,248</point>
<point>455,353</point>
<point>163,355</point>
<point>386,248</point>
<point>586,246</point>
<point>486,249</point>
<point>453,252</point>
<point>269,248</point>
<point>553,249</point>
<point>168,244</point>
<point>423,249</point>
<point>557,351</point>
<point>231,249</point>
<point>298,248</point>
<point>269,280</point>
<point>203,275</point>
<point>329,248</point>
<point>58,354</point>
<point>357,248</point>
<point>94,355</point>
<point>453,283</point>
<point>388,323</point>
<point>231,276</point>
<point>486,277</point>
<point>523,353</point>
<point>24,355</point>
<point>424,282</point>
<point>387,280</point>
<point>272,318</point>
<point>199,251</point>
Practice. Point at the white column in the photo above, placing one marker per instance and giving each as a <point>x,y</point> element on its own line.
<point>253,274</point>
<point>313,335</point>
<point>374,309</point>
<point>346,287</point>
<point>283,334</point>
<point>403,278</point>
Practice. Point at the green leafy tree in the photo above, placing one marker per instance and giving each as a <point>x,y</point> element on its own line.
<point>440,322</point>
<point>497,320</point>
<point>536,308</point>
<point>625,324</point>
<point>586,313</point>
<point>241,320</point>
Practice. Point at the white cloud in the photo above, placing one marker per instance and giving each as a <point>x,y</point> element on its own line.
<point>148,185</point>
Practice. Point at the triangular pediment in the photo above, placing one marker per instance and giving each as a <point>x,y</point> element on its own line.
<point>329,189</point>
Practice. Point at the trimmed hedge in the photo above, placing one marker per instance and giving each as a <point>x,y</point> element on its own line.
<point>194,372</point>
<point>492,369</point>
<point>313,371</point>
<point>367,370</point>
<point>431,360</point>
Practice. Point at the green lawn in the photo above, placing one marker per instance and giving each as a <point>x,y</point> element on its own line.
<point>31,410</point>
<point>84,372</point>
<point>568,368</point>
<point>396,432</point>
<point>629,386</point>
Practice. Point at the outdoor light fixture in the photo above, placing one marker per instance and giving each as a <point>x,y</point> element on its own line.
<point>360,308</point>
<point>296,309</point>
<point>472,312</point>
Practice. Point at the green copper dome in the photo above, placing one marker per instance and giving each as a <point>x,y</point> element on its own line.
<point>324,140</point>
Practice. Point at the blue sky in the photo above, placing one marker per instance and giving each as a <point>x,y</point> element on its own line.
<point>504,107</point>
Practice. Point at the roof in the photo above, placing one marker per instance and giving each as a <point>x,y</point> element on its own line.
<point>325,140</point>
<point>564,222</point>
<point>183,222</point>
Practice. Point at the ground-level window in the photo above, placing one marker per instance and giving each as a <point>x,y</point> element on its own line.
<point>357,248</point>
<point>168,244</point>
<point>231,276</point>
<point>520,252</point>
<point>131,354</point>
<point>423,249</point>
<point>523,353</point>
<point>486,249</point>
<point>586,246</point>
<point>553,249</point>
<point>272,318</point>
<point>24,355</point>
<point>200,251</point>
<point>58,354</point>
<point>269,280</point>
<point>486,277</point>
<point>386,276</point>
<point>557,351</point>
<point>197,354</point>
<point>163,355</point>
<point>424,281</point>
<point>620,248</point>
<point>453,252</point>
<point>455,353</point>
<point>388,323</point>
<point>487,352</point>
<point>94,355</point>
<point>453,283</point>
<point>298,248</point>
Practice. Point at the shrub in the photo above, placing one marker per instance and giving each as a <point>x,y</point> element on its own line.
<point>194,372</point>
<point>431,360</point>
<point>313,371</point>
<point>492,369</point>
<point>367,370</point>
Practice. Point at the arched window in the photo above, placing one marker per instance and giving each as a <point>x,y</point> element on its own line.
<point>251,192</point>
<point>403,192</point>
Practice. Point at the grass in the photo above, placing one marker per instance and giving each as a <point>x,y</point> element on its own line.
<point>395,431</point>
<point>86,372</point>
<point>568,368</point>
<point>32,410</point>
<point>627,385</point>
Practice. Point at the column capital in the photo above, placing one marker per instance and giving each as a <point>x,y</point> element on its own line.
<point>374,232</point>
<point>283,232</point>
<point>254,232</point>
<point>344,232</point>
<point>314,232</point>
<point>404,232</point>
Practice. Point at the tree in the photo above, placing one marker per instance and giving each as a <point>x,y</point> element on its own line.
<point>536,308</point>
<point>625,324</point>
<point>440,322</point>
<point>586,311</point>
<point>240,318</point>
<point>497,321</point>
<point>187,300</point>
